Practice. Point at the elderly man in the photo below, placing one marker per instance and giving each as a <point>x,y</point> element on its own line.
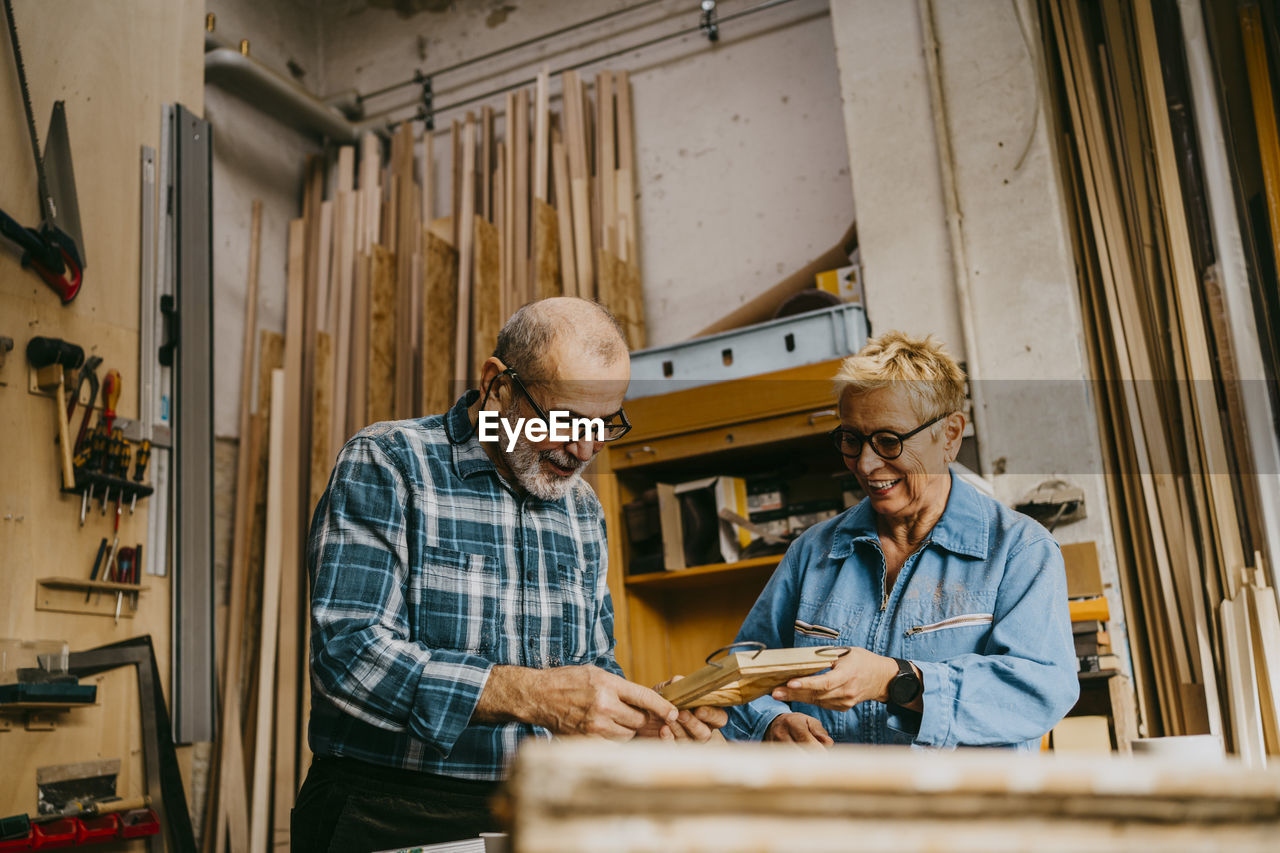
<point>459,598</point>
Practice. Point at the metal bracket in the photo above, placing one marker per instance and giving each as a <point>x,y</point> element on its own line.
<point>710,21</point>
<point>426,110</point>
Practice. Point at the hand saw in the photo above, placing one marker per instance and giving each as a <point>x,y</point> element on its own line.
<point>53,249</point>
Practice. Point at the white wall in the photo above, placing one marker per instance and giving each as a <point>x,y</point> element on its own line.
<point>254,157</point>
<point>743,169</point>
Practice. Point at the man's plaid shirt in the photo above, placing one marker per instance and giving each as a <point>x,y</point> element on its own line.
<point>426,571</point>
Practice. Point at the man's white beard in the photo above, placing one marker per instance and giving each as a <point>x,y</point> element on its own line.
<point>526,465</point>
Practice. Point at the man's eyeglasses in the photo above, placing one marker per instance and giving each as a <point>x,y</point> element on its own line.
<point>886,443</point>
<point>615,426</point>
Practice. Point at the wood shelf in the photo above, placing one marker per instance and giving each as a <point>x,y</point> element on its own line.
<point>89,586</point>
<point>700,576</point>
<point>43,706</point>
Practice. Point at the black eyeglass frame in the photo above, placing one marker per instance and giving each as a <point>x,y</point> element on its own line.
<point>540,412</point>
<point>837,437</point>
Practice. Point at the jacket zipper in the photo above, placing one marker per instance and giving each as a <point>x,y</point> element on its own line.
<point>953,622</point>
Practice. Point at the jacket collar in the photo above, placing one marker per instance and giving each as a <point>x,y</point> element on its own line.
<point>469,458</point>
<point>963,529</point>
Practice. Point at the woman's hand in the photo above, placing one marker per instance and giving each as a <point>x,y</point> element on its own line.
<point>799,729</point>
<point>855,678</point>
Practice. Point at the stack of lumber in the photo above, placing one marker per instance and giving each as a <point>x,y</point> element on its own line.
<point>579,795</point>
<point>390,311</point>
<point>1183,515</point>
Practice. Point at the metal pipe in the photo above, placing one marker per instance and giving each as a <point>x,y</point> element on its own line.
<point>248,78</point>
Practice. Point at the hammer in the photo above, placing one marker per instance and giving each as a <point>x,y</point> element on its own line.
<point>52,357</point>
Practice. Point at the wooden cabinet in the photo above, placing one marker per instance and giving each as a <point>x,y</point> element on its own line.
<point>667,622</point>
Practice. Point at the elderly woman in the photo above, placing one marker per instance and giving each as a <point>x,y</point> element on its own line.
<point>954,607</point>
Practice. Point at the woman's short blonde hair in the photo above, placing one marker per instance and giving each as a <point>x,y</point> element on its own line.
<point>922,367</point>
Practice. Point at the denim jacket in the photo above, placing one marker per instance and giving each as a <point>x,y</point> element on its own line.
<point>980,608</point>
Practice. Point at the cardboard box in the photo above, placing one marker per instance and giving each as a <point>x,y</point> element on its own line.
<point>844,282</point>
<point>693,534</point>
<point>1084,577</point>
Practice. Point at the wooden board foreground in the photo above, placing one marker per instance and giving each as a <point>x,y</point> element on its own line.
<point>742,676</point>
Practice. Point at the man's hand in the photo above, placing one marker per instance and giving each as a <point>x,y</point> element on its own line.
<point>571,700</point>
<point>855,678</point>
<point>698,724</point>
<point>799,729</point>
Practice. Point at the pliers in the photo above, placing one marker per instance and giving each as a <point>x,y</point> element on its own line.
<point>48,251</point>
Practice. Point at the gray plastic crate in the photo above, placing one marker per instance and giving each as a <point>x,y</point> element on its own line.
<point>763,348</point>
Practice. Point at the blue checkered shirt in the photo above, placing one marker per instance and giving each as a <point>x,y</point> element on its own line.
<point>426,571</point>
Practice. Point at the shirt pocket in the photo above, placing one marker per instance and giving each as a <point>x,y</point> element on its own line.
<point>826,623</point>
<point>577,617</point>
<point>934,639</point>
<point>453,601</point>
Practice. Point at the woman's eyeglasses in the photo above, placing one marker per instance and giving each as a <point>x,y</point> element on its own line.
<point>886,443</point>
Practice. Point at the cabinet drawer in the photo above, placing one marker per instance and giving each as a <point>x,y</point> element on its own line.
<point>747,434</point>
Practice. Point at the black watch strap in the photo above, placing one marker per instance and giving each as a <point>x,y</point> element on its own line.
<point>906,686</point>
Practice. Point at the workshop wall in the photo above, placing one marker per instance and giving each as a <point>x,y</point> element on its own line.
<point>1027,339</point>
<point>114,65</point>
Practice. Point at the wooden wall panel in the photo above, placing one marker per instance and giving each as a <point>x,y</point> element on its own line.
<point>113,67</point>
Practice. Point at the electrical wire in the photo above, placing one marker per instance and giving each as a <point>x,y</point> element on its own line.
<point>484,96</point>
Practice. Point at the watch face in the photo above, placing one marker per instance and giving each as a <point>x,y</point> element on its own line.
<point>904,688</point>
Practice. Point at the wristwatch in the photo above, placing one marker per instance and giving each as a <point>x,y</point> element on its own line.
<point>905,687</point>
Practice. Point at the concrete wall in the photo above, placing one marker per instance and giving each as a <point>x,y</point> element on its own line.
<point>1040,421</point>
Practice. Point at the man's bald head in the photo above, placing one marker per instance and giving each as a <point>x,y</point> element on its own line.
<point>552,335</point>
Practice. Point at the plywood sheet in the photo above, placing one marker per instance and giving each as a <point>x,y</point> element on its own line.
<point>381,341</point>
<point>439,323</point>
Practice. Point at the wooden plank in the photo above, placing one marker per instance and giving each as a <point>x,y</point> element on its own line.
<point>358,386</point>
<point>628,248</point>
<point>1247,737</point>
<point>462,349</point>
<point>294,472</point>
<point>564,216</point>
<point>1265,622</point>
<point>576,148</point>
<point>439,323</point>
<point>408,229</point>
<point>509,209</point>
<point>322,404</point>
<point>504,233</point>
<point>606,163</point>
<point>381,341</point>
<point>541,133</point>
<point>276,533</point>
<point>231,806</point>
<point>486,164</point>
<point>521,284</point>
<point>455,210</point>
<point>487,284</point>
<point>346,172</point>
<point>323,267</point>
<point>546,252</point>
<point>633,298</point>
<point>342,321</point>
<point>427,176</point>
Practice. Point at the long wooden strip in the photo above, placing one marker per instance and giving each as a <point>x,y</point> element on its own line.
<point>439,323</point>
<point>462,349</point>
<point>323,266</point>
<point>564,216</point>
<point>486,164</point>
<point>230,806</point>
<point>504,232</point>
<point>358,387</point>
<point>295,474</point>
<point>521,146</point>
<point>322,404</point>
<point>487,284</point>
<point>627,223</point>
<point>606,163</point>
<point>455,210</point>
<point>276,533</point>
<point>576,147</point>
<point>381,341</point>
<point>541,133</point>
<point>342,322</point>
<point>509,209</point>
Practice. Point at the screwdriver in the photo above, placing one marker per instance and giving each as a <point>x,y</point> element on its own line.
<point>140,468</point>
<point>110,396</point>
